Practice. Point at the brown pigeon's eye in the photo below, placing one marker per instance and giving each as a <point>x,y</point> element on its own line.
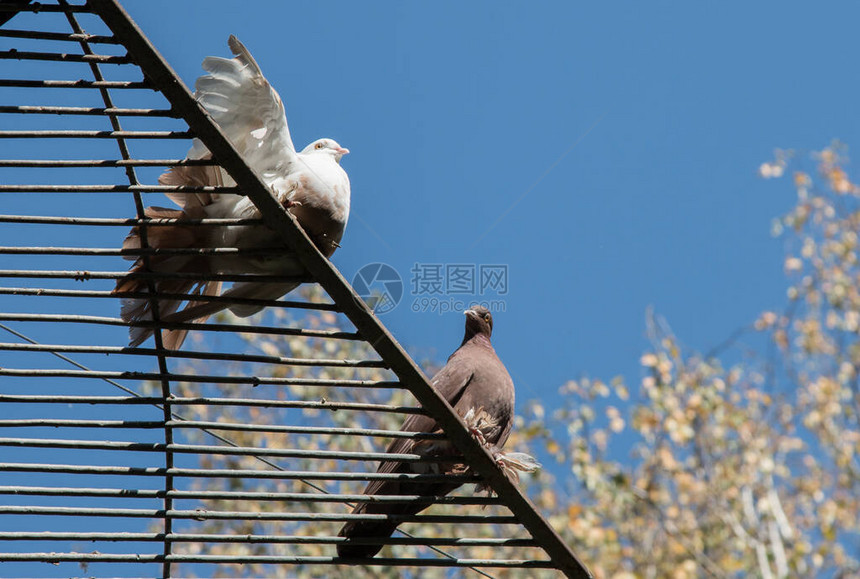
<point>487,317</point>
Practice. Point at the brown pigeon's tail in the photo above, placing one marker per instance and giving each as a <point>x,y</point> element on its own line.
<point>378,529</point>
<point>383,529</point>
<point>364,530</point>
<point>174,236</point>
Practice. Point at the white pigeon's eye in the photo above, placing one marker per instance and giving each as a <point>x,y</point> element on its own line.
<point>318,146</point>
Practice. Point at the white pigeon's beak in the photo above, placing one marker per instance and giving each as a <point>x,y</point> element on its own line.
<point>342,151</point>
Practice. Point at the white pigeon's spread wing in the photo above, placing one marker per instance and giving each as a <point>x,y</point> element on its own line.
<point>248,110</point>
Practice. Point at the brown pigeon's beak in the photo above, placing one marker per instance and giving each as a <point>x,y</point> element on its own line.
<point>471,313</point>
<point>342,150</point>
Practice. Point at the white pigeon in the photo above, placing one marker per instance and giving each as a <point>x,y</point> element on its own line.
<point>310,184</point>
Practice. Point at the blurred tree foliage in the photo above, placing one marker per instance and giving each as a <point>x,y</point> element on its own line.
<point>740,462</point>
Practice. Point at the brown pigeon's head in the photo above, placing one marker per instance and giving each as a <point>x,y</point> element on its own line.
<point>327,147</point>
<point>479,320</point>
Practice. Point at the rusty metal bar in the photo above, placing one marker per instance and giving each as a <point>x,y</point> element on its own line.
<point>86,275</point>
<point>95,135</point>
<point>269,539</point>
<point>123,221</point>
<point>51,422</point>
<point>96,84</point>
<point>254,380</point>
<point>208,327</point>
<point>224,426</point>
<point>39,7</point>
<point>10,10</point>
<point>252,402</point>
<point>159,472</point>
<point>244,328</point>
<point>147,494</point>
<point>98,163</point>
<point>62,57</point>
<point>118,252</point>
<point>58,36</point>
<point>276,559</point>
<point>86,111</point>
<point>114,189</point>
<point>48,292</point>
<point>189,355</point>
<point>219,450</point>
<point>252,515</point>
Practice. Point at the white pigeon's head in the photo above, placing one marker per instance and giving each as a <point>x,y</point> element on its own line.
<point>327,147</point>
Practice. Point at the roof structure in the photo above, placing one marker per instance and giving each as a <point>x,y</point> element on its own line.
<point>118,459</point>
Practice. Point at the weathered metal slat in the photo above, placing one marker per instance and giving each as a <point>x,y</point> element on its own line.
<point>191,355</point>
<point>80,134</point>
<point>182,401</point>
<point>86,111</point>
<point>63,57</point>
<point>126,471</point>
<point>39,7</point>
<point>201,514</point>
<point>63,423</point>
<point>222,426</point>
<point>119,252</point>
<point>243,328</point>
<point>275,559</point>
<point>50,292</point>
<point>122,222</point>
<point>58,36</point>
<point>124,493</point>
<point>100,163</point>
<point>160,447</point>
<point>85,275</point>
<point>86,84</point>
<point>114,189</point>
<point>269,539</point>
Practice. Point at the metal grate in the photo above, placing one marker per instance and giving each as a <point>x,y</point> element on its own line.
<point>117,461</point>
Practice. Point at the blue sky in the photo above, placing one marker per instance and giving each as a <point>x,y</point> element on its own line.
<point>606,152</point>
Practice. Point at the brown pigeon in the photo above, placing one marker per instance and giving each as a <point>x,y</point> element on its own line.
<point>311,184</point>
<point>477,385</point>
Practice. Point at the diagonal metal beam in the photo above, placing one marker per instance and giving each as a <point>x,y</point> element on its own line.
<point>162,76</point>
<point>9,11</point>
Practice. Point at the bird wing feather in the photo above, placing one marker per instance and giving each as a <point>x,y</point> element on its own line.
<point>451,381</point>
<point>249,111</point>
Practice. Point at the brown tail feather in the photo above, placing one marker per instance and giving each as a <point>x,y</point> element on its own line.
<point>140,309</point>
<point>382,529</point>
<point>202,310</point>
<point>173,339</point>
<point>173,236</point>
<point>162,237</point>
<point>192,176</point>
<point>364,530</point>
